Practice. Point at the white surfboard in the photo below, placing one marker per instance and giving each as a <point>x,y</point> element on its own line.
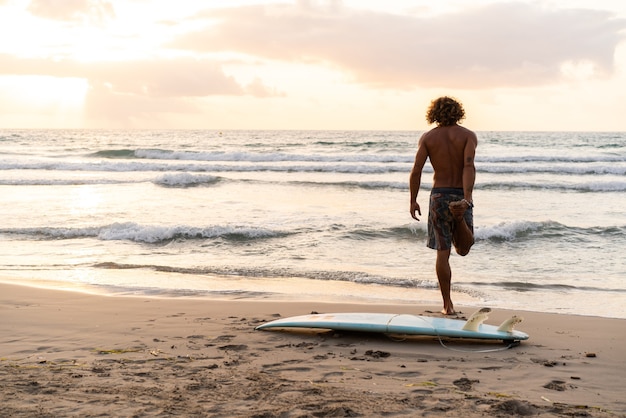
<point>406,324</point>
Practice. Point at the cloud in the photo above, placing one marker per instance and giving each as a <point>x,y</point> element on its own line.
<point>95,11</point>
<point>166,78</point>
<point>152,78</point>
<point>122,109</point>
<point>127,91</point>
<point>498,45</point>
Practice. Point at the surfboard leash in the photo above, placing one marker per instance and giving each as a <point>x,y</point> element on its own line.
<point>490,350</point>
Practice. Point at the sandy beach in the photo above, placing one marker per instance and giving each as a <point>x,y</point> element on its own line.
<point>66,353</point>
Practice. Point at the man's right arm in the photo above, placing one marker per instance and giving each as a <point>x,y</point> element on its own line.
<point>415,178</point>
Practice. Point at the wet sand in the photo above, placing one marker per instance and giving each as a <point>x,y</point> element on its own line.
<point>66,353</point>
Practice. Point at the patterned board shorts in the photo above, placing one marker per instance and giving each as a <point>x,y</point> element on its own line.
<point>440,221</point>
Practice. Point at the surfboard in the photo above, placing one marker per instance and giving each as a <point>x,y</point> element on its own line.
<point>406,324</point>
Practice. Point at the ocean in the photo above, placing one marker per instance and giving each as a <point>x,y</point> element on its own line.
<point>311,215</point>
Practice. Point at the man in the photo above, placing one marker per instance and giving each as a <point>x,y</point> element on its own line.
<point>451,150</point>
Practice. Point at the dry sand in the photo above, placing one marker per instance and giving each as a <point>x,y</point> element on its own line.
<point>72,354</point>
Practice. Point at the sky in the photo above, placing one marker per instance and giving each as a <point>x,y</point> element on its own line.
<point>542,65</point>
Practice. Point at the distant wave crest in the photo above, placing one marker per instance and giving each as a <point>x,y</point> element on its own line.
<point>131,231</point>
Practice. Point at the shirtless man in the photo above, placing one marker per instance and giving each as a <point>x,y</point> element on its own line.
<point>451,149</point>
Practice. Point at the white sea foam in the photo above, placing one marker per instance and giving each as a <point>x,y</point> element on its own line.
<point>184,179</point>
<point>508,230</point>
<point>132,231</point>
<point>152,234</point>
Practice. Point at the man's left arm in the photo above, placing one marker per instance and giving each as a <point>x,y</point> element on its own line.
<point>469,169</point>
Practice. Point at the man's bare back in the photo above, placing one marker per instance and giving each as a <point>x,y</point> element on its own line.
<point>449,149</point>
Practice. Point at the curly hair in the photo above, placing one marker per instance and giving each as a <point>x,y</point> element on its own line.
<point>445,111</point>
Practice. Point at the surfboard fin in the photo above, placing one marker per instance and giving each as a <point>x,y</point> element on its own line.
<point>476,319</point>
<point>509,324</point>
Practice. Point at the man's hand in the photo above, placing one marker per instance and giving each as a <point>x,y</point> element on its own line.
<point>415,207</point>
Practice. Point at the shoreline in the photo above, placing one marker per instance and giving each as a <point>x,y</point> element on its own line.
<point>283,289</point>
<point>243,288</point>
<point>70,353</point>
